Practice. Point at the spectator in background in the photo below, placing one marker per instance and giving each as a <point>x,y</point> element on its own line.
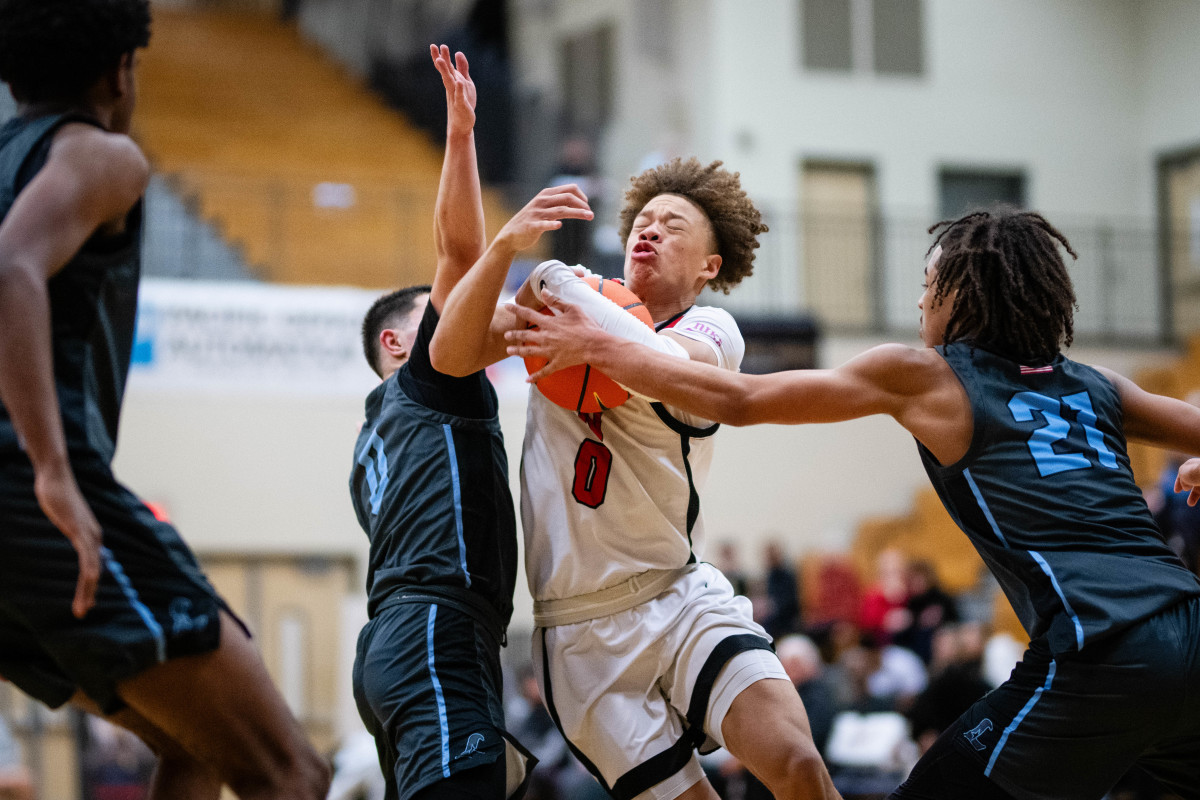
<point>781,610</point>
<point>884,610</point>
<point>15,782</point>
<point>929,607</point>
<point>1179,522</point>
<point>572,243</point>
<point>730,563</point>
<point>802,662</point>
<point>956,682</point>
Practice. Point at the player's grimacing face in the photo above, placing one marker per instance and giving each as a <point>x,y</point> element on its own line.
<point>934,315</point>
<point>670,247</point>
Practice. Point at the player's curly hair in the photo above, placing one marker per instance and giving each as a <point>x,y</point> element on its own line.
<point>387,312</point>
<point>719,194</point>
<point>53,50</point>
<point>1014,294</point>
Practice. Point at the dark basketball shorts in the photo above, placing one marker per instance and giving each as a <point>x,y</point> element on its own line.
<point>1071,726</point>
<point>152,602</point>
<point>428,686</point>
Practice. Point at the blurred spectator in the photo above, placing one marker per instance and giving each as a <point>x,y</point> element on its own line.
<point>929,607</point>
<point>802,662</point>
<point>956,682</point>
<point>116,764</point>
<point>558,774</point>
<point>884,610</point>
<point>781,608</point>
<point>1179,522</point>
<point>572,243</point>
<point>15,781</point>
<point>356,772</point>
<point>730,564</point>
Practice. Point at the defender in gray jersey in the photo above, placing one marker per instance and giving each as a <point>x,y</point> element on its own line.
<point>1027,450</point>
<point>101,604</point>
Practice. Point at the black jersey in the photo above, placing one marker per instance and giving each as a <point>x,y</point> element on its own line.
<point>1046,495</point>
<point>93,304</point>
<point>430,485</point>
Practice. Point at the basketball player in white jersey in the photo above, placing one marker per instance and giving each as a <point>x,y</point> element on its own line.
<point>644,654</point>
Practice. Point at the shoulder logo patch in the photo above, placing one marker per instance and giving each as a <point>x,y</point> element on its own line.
<point>976,734</point>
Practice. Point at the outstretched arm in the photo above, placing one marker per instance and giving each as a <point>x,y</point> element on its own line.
<point>470,335</point>
<point>90,178</point>
<point>890,379</point>
<point>458,225</point>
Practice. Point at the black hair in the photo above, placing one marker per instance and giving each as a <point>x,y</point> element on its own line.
<point>55,50</point>
<point>1013,295</point>
<point>384,313</point>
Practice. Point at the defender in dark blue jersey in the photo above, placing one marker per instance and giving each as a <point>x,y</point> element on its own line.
<point>102,604</point>
<point>429,484</point>
<point>1027,450</point>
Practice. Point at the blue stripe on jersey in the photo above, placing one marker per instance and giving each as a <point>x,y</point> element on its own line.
<point>118,572</point>
<point>1058,589</point>
<point>458,513</point>
<point>1012,726</point>
<point>983,506</point>
<point>443,723</point>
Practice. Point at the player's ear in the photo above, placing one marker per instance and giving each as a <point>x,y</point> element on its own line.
<point>393,344</point>
<point>712,265</point>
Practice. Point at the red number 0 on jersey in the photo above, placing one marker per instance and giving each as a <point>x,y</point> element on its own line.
<point>592,464</point>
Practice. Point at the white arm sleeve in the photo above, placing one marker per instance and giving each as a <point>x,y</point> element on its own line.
<point>560,281</point>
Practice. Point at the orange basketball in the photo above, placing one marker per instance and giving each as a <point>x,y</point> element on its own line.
<point>581,388</point>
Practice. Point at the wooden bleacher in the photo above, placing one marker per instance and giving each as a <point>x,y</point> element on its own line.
<point>246,118</point>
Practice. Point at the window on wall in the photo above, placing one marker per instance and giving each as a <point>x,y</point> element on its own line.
<point>826,30</point>
<point>963,190</point>
<point>586,64</point>
<point>881,36</point>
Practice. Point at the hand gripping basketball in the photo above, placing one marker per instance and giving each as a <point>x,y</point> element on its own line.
<point>582,388</point>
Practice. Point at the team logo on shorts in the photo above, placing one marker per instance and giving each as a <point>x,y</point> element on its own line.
<point>473,742</point>
<point>182,619</point>
<point>975,734</point>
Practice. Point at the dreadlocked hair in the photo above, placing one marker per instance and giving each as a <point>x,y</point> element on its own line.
<point>718,193</point>
<point>1013,295</point>
<point>55,50</point>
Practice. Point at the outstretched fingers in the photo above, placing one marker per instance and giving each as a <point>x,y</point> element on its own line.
<point>1188,480</point>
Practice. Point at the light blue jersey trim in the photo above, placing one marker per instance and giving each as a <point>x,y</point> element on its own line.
<point>1058,590</point>
<point>1012,726</point>
<point>443,723</point>
<point>458,514</point>
<point>118,572</point>
<point>983,506</point>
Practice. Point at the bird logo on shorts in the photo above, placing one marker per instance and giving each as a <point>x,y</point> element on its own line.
<point>975,734</point>
<point>473,742</point>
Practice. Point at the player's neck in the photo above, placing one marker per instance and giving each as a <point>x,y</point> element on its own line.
<point>81,107</point>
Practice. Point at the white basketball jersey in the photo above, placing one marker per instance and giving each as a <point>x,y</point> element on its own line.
<point>607,496</point>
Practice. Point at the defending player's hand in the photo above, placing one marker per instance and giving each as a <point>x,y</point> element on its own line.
<point>460,89</point>
<point>563,339</point>
<point>544,212</point>
<point>1188,480</point>
<point>61,501</point>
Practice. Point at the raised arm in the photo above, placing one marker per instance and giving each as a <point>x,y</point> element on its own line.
<point>916,387</point>
<point>470,334</point>
<point>90,179</point>
<point>458,225</point>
